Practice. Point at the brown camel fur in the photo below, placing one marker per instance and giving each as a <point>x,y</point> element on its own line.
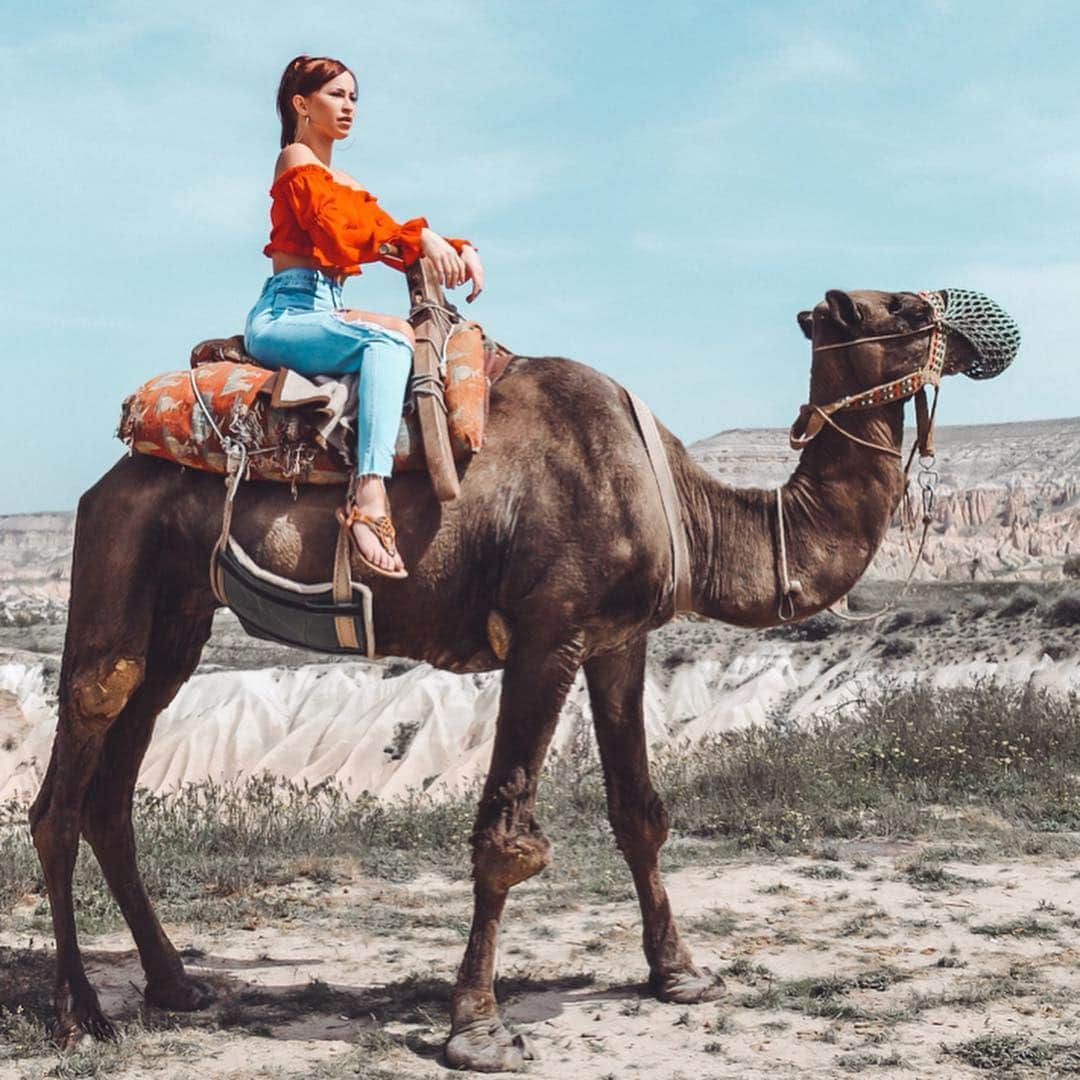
<point>560,527</point>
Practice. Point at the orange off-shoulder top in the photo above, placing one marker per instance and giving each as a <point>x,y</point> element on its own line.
<point>339,226</point>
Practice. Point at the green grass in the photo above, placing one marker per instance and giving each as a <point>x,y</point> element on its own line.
<point>719,922</point>
<point>875,770</point>
<point>998,1052</point>
<point>1026,926</point>
<point>214,853</point>
<point>926,873</point>
<point>822,872</point>
<point>825,996</point>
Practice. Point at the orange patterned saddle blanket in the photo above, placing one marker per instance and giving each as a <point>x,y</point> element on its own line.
<point>294,431</point>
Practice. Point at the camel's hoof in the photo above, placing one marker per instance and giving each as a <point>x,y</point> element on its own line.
<point>487,1046</point>
<point>182,994</point>
<point>688,987</point>
<point>74,1025</point>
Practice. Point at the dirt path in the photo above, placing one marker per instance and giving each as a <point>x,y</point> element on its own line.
<point>884,960</point>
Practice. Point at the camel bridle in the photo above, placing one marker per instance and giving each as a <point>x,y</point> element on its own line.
<point>995,338</point>
<point>816,417</point>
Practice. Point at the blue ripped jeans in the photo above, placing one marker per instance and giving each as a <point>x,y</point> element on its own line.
<point>297,323</point>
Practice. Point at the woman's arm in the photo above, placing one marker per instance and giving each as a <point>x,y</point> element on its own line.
<point>456,261</point>
<point>451,274</point>
<point>449,264</point>
<point>474,271</point>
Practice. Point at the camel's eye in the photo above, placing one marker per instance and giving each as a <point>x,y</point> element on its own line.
<point>895,305</point>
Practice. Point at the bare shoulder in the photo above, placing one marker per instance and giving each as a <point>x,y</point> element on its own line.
<point>294,154</point>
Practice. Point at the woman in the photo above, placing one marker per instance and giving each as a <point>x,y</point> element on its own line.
<point>323,226</point>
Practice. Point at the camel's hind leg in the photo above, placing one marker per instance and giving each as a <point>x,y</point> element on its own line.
<point>616,684</point>
<point>508,845</point>
<point>114,586</point>
<point>93,692</point>
<point>175,646</point>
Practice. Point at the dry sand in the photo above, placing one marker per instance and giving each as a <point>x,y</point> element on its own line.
<point>573,981</point>
<point>897,973</point>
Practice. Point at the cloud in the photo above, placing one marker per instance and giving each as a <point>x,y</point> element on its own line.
<point>806,60</point>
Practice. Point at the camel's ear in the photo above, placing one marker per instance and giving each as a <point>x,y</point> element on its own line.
<point>806,321</point>
<point>843,309</point>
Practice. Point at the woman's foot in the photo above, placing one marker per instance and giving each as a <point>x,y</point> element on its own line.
<point>370,500</point>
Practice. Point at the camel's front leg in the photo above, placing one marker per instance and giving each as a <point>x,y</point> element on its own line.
<point>616,685</point>
<point>508,845</point>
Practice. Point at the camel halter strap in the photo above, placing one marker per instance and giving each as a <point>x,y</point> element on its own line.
<point>910,385</point>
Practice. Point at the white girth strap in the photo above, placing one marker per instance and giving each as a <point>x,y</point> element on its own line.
<point>654,447</point>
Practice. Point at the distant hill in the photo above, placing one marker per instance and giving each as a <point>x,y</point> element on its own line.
<point>35,556</point>
<point>1008,502</point>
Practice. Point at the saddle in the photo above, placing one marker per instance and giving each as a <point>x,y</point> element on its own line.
<point>295,429</point>
<point>229,415</point>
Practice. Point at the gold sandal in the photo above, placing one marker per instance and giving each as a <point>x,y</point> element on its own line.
<point>383,530</point>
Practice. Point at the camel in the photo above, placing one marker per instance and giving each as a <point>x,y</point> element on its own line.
<point>559,526</point>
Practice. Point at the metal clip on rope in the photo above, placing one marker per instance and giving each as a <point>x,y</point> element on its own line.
<point>928,479</point>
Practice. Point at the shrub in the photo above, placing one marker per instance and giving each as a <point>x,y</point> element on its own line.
<point>995,1052</point>
<point>815,628</point>
<point>1021,602</point>
<point>1065,610</point>
<point>680,656</point>
<point>934,617</point>
<point>1056,648</point>
<point>214,852</point>
<point>903,617</point>
<point>1071,567</point>
<point>897,647</point>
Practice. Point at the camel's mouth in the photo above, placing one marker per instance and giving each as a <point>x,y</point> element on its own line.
<point>985,325</point>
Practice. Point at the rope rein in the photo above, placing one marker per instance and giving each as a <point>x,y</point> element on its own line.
<point>431,384</point>
<point>855,438</point>
<point>880,337</point>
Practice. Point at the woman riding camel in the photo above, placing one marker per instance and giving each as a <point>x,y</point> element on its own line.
<point>323,226</point>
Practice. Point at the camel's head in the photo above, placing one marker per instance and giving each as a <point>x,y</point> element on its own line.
<point>869,339</point>
<point>851,316</point>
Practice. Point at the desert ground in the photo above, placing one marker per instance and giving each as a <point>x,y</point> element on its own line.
<point>931,936</point>
<point>885,958</point>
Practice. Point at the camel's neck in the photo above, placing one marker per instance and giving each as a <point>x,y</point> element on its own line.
<point>837,506</point>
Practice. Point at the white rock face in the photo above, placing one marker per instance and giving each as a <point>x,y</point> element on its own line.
<point>432,730</point>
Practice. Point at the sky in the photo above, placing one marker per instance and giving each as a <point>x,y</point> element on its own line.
<point>656,189</point>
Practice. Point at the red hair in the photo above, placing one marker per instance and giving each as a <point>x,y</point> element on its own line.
<point>303,75</point>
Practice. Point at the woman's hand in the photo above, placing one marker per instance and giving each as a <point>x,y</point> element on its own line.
<point>449,264</point>
<point>474,270</point>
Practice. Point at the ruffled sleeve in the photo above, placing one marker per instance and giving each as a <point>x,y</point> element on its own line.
<point>345,224</point>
